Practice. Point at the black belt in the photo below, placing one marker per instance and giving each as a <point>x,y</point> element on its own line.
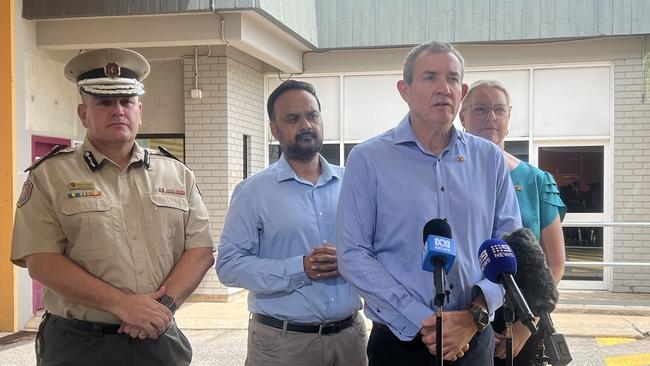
<point>84,326</point>
<point>322,328</point>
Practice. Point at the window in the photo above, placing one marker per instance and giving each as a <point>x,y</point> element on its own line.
<point>517,148</point>
<point>174,143</point>
<point>583,244</point>
<point>579,173</point>
<point>571,101</point>
<point>372,105</point>
<point>246,156</point>
<point>347,149</point>
<point>274,153</point>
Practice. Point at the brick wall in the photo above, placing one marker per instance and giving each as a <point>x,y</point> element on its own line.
<point>631,189</point>
<point>231,106</point>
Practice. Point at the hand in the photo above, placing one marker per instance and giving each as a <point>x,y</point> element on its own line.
<point>134,331</point>
<point>458,332</point>
<point>321,262</point>
<point>520,335</point>
<point>142,315</point>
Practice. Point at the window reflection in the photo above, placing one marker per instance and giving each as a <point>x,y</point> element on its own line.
<point>578,171</point>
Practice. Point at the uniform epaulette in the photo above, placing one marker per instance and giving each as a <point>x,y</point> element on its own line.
<point>56,150</point>
<point>165,152</point>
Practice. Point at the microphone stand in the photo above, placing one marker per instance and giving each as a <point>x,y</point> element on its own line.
<point>509,317</point>
<point>439,300</point>
<point>439,281</point>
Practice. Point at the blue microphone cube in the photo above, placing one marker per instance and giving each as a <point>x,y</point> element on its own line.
<point>441,248</point>
<point>496,257</point>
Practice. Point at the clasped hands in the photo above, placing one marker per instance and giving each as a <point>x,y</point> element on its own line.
<point>321,262</point>
<point>459,328</point>
<point>143,316</point>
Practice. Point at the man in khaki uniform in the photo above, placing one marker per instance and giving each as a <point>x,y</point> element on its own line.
<point>118,235</point>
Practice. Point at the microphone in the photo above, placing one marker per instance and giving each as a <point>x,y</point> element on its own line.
<point>438,255</point>
<point>539,288</point>
<point>439,247</point>
<point>536,282</point>
<point>498,263</point>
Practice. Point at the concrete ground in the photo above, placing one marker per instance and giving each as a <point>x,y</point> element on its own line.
<point>601,329</point>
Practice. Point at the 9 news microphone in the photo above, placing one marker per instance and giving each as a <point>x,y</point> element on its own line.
<point>498,263</point>
<point>539,288</point>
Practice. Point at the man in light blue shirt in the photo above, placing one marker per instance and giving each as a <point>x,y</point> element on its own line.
<point>277,243</point>
<point>394,184</point>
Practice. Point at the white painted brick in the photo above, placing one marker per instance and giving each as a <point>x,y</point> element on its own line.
<point>631,153</point>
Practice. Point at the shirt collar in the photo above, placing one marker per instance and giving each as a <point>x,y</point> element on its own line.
<point>404,133</point>
<point>137,154</point>
<point>284,171</point>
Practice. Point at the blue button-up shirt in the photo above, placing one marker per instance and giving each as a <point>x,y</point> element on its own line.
<point>276,218</point>
<point>393,186</point>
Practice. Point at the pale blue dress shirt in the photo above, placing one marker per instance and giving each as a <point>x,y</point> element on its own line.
<point>393,185</point>
<point>275,218</point>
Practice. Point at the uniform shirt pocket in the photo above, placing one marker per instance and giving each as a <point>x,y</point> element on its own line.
<point>88,223</point>
<point>169,216</point>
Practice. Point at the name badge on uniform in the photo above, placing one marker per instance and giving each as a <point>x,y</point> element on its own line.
<point>179,192</point>
<point>518,188</point>
<point>81,185</point>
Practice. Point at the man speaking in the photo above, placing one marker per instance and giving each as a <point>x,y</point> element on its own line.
<point>394,184</point>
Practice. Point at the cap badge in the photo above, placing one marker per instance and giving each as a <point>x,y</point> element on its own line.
<point>112,70</point>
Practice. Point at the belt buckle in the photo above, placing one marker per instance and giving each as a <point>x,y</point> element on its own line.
<point>328,328</point>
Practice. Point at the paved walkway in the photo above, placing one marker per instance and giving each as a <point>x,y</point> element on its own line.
<point>601,329</point>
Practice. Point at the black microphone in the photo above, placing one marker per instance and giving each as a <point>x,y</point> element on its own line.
<point>538,286</point>
<point>438,256</point>
<point>498,263</point>
<point>534,277</point>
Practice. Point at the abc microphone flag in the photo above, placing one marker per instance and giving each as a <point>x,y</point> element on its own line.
<point>439,248</point>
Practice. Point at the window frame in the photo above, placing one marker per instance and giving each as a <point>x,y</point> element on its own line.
<point>573,217</point>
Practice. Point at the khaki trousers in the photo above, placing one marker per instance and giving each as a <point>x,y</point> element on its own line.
<point>267,346</point>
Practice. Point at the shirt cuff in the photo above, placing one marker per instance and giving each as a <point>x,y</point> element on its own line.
<point>296,272</point>
<point>407,325</point>
<point>492,292</point>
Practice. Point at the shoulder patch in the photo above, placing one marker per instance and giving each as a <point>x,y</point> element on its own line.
<point>25,193</point>
<point>56,150</point>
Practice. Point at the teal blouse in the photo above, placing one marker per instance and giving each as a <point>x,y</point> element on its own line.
<point>538,196</point>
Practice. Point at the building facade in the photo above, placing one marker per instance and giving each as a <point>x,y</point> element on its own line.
<point>576,71</point>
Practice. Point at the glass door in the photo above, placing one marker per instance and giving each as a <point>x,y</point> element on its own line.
<point>580,170</point>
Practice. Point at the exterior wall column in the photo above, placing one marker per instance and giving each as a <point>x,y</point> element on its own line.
<point>8,279</point>
<point>631,175</point>
<point>231,107</point>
